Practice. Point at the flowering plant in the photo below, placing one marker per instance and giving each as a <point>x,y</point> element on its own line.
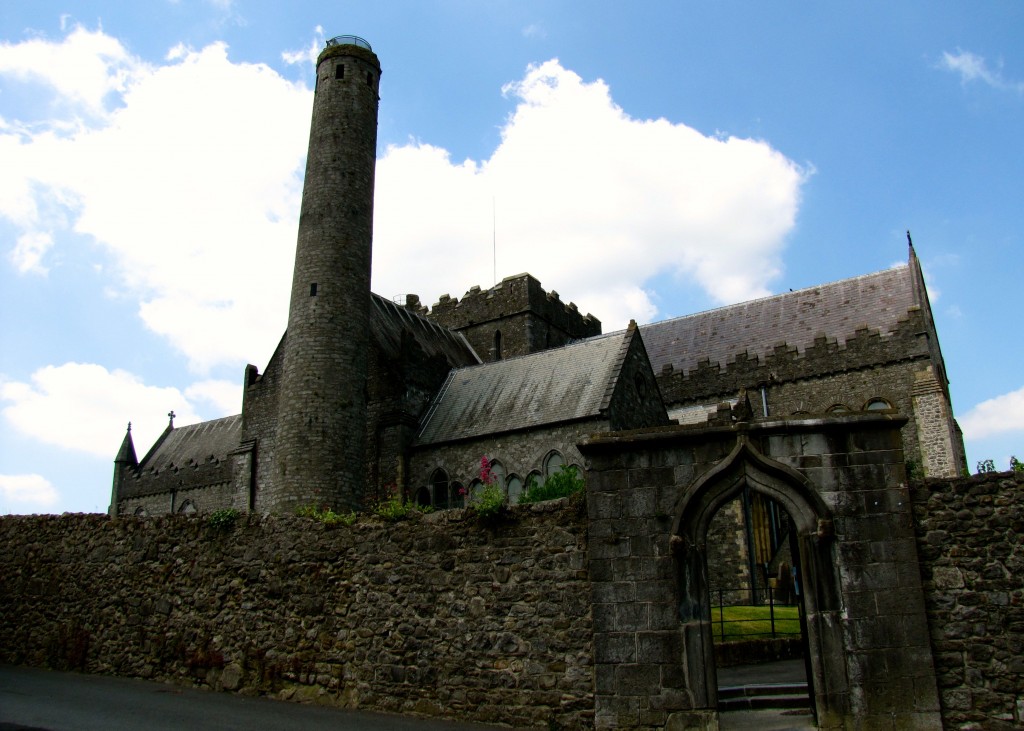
<point>486,475</point>
<point>489,502</point>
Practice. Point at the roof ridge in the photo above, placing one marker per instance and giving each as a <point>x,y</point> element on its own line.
<point>780,295</point>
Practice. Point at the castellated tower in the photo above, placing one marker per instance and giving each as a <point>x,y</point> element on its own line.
<point>321,426</point>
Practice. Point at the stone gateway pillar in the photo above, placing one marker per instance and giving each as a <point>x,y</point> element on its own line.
<point>321,427</point>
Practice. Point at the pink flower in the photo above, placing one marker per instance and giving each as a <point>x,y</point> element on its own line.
<point>486,476</point>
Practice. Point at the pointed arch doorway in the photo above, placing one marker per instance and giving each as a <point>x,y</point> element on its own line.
<point>746,468</point>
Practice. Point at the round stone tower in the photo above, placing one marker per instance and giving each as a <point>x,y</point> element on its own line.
<point>319,451</point>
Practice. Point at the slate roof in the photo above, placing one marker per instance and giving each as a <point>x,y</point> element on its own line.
<point>194,444</point>
<point>836,310</point>
<point>553,386</point>
<point>389,320</point>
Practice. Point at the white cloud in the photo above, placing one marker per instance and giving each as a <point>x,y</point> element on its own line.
<point>84,407</point>
<point>192,183</point>
<point>83,70</point>
<point>591,201</point>
<point>191,180</point>
<point>28,251</point>
<point>972,67</point>
<point>997,415</point>
<point>310,53</point>
<point>25,492</point>
<point>224,396</point>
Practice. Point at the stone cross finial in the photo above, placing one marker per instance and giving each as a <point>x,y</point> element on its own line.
<point>129,427</point>
<point>171,415</point>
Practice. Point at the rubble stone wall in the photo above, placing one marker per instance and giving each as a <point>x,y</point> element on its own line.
<point>437,616</point>
<point>970,534</point>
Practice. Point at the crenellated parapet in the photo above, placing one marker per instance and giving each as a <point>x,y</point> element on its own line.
<point>513,295</point>
<point>865,349</point>
<point>514,317</point>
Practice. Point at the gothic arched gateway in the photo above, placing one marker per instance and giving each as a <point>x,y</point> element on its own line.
<point>746,468</point>
<point>842,479</point>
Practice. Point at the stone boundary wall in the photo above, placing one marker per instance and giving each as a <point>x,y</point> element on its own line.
<point>970,534</point>
<point>437,616</point>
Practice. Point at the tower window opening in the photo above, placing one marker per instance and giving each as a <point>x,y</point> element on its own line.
<point>369,79</point>
<point>312,290</point>
<point>339,71</point>
<point>497,344</point>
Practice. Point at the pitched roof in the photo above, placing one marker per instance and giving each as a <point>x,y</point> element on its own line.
<point>553,386</point>
<point>837,310</point>
<point>194,444</point>
<point>390,320</point>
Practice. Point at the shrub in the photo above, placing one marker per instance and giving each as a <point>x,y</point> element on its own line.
<point>1016,465</point>
<point>563,483</point>
<point>395,509</point>
<point>986,465</point>
<point>223,519</point>
<point>489,503</point>
<point>326,516</point>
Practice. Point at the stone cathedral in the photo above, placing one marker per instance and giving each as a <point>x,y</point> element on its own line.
<point>365,398</point>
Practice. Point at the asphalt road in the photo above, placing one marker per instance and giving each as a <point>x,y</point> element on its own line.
<point>44,700</point>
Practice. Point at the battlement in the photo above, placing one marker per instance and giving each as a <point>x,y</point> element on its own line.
<point>513,295</point>
<point>867,348</point>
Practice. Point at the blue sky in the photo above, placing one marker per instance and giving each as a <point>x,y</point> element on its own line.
<point>646,160</point>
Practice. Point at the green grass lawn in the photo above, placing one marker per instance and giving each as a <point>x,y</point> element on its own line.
<point>743,623</point>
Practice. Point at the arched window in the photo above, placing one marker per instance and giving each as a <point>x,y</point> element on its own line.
<point>439,487</point>
<point>552,462</point>
<point>473,491</point>
<point>514,488</point>
<point>187,508</point>
<point>498,470</point>
<point>640,384</point>
<point>838,409</point>
<point>423,497</point>
<point>877,404</point>
<point>534,479</point>
<point>497,344</point>
<point>458,495</point>
<point>140,512</point>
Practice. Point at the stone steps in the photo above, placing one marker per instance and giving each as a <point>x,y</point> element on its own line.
<point>763,695</point>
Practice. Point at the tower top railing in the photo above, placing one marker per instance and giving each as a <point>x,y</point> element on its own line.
<point>349,41</point>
